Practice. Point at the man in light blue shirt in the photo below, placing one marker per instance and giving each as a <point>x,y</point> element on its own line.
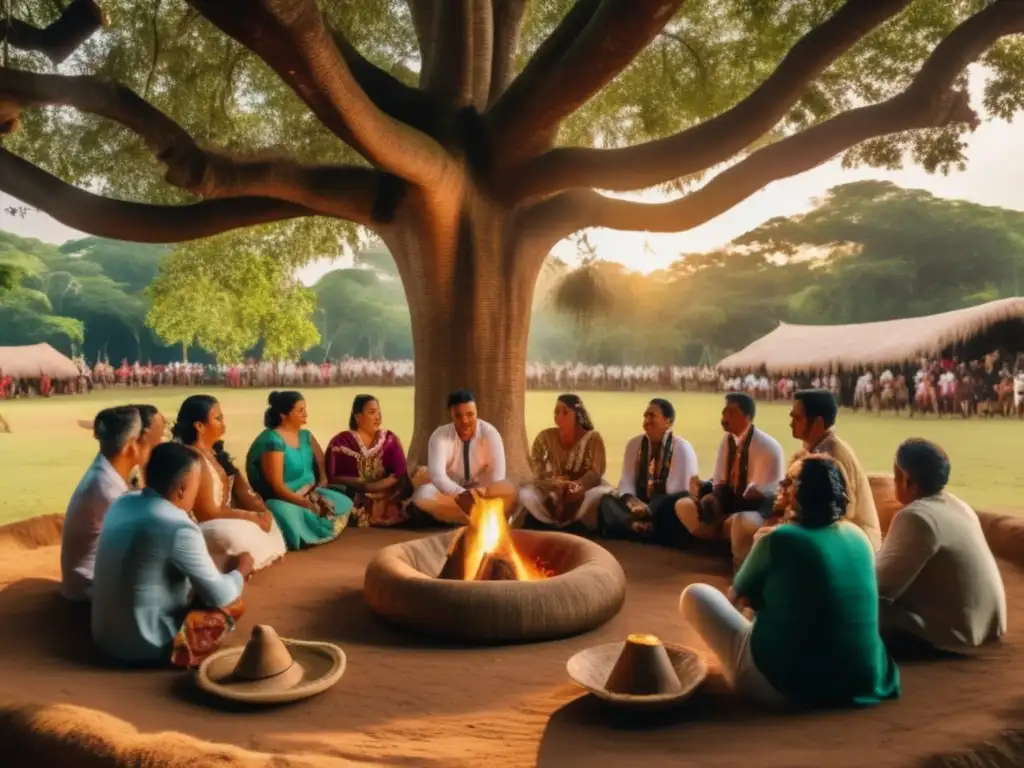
<point>150,558</point>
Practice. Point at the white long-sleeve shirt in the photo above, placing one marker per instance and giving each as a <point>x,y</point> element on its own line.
<point>766,463</point>
<point>445,459</point>
<point>684,466</point>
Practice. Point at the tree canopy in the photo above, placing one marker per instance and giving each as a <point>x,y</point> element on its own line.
<point>244,103</point>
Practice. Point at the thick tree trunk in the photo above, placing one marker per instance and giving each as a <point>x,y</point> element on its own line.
<point>469,301</point>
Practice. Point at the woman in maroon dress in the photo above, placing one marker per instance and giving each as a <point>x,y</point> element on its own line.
<point>367,464</point>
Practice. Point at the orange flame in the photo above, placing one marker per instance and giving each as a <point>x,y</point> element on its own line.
<point>488,534</point>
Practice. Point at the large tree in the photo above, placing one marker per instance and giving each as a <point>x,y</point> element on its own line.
<point>472,135</point>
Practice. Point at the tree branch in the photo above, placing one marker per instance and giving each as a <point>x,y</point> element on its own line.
<point>291,37</point>
<point>135,222</point>
<point>527,117</point>
<point>462,42</point>
<point>508,25</point>
<point>422,12</point>
<point>544,60</point>
<point>79,20</point>
<point>402,102</point>
<point>482,54</point>
<point>928,102</point>
<point>715,140</point>
<point>347,192</point>
<point>451,68</point>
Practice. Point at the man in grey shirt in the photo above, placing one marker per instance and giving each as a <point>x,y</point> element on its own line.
<point>937,578</point>
<point>118,431</point>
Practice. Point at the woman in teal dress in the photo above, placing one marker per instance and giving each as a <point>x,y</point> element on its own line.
<point>286,467</point>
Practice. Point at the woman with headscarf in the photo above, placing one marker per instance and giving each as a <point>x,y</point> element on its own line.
<point>568,463</point>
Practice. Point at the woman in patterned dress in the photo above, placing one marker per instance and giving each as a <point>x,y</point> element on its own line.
<point>368,465</point>
<point>568,465</point>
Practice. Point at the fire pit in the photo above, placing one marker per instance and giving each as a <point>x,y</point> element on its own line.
<point>487,584</point>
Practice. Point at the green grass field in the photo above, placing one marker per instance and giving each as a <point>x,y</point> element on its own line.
<point>44,457</point>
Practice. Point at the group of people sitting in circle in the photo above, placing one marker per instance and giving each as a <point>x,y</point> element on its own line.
<point>164,566</point>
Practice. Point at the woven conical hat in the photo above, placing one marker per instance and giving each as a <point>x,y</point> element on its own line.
<point>592,668</point>
<point>270,669</point>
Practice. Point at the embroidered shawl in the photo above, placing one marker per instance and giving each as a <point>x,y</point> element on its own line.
<point>650,477</point>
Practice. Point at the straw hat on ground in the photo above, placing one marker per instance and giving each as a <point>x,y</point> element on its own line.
<point>641,672</point>
<point>271,669</point>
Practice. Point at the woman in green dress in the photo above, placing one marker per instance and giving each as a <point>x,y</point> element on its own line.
<point>286,467</point>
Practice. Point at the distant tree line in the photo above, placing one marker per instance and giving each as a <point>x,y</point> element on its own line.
<point>867,251</point>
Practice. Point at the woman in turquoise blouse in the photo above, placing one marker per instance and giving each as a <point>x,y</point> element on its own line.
<point>814,641</point>
<point>286,467</point>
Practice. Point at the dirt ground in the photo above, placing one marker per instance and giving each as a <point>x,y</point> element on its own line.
<point>406,702</point>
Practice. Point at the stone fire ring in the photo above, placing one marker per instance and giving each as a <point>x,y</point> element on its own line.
<point>400,585</point>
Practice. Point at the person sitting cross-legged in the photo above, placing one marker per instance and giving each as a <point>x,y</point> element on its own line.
<point>287,468</point>
<point>568,462</point>
<point>814,641</point>
<point>741,495</point>
<point>655,470</point>
<point>938,581</point>
<point>121,449</point>
<point>465,461</point>
<point>150,557</point>
<point>367,463</point>
<point>812,420</point>
<point>231,515</point>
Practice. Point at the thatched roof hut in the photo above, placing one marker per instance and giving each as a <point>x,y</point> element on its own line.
<point>969,333</point>
<point>32,362</point>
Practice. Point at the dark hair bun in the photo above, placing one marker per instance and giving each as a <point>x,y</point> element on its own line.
<point>280,405</point>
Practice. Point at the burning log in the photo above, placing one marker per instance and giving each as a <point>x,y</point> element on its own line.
<point>485,551</point>
<point>454,567</point>
<point>495,568</point>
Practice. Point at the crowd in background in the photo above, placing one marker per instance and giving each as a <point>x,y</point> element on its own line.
<point>988,387</point>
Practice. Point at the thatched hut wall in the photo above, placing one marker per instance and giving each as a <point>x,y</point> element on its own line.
<point>36,360</point>
<point>969,332</point>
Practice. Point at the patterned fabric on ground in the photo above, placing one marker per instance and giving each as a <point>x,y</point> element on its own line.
<point>203,632</point>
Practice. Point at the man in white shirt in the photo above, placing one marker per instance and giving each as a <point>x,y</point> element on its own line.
<point>118,431</point>
<point>741,494</point>
<point>656,470</point>
<point>465,461</point>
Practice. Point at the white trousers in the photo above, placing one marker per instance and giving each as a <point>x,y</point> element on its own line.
<point>438,505</point>
<point>530,498</point>
<point>727,633</point>
<point>443,508</point>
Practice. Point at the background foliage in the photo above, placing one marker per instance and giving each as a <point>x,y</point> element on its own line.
<point>868,251</point>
